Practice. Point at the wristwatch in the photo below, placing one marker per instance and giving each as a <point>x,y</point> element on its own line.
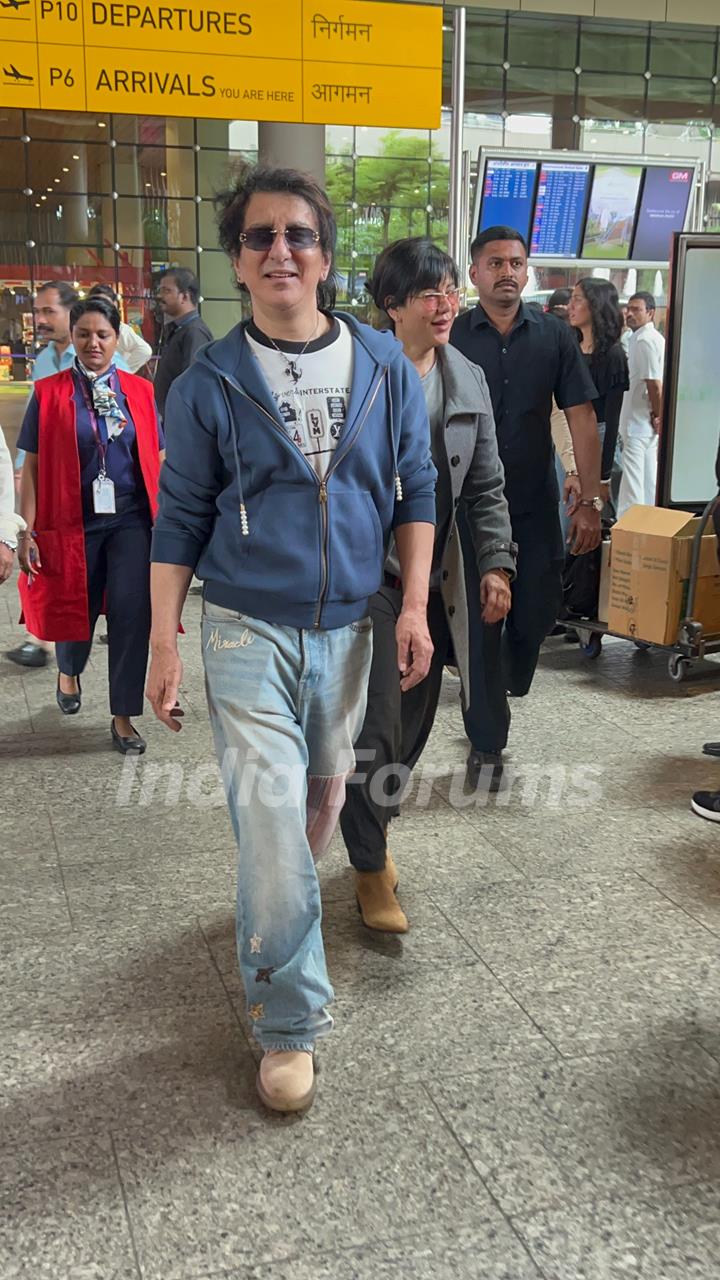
<point>597,503</point>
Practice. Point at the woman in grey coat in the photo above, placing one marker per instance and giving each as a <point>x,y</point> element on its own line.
<point>417,287</point>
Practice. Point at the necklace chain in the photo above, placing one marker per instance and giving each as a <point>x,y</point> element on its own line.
<point>291,369</point>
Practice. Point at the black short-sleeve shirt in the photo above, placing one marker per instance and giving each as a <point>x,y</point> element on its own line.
<point>538,359</point>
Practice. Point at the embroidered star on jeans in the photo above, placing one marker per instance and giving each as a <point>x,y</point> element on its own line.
<point>264,975</point>
<point>257,1011</point>
<point>255,944</point>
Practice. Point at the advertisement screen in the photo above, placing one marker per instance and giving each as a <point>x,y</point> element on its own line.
<point>611,214</point>
<point>507,197</point>
<point>697,382</point>
<point>663,207</point>
<point>559,208</point>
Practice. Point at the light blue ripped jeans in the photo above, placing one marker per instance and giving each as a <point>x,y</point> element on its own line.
<point>286,707</point>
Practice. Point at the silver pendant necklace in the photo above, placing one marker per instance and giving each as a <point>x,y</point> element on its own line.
<point>291,366</point>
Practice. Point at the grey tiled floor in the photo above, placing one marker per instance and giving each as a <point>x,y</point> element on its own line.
<point>527,1086</point>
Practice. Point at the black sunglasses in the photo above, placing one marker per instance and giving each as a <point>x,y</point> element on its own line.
<point>262,238</point>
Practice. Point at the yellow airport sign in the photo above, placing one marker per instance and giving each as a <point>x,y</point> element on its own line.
<point>378,34</point>
<point>264,30</point>
<point>206,85</point>
<point>363,62</point>
<point>335,94</point>
<point>19,83</point>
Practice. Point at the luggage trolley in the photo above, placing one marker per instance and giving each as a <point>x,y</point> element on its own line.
<point>693,642</point>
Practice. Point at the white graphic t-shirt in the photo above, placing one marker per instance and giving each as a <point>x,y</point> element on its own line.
<point>311,390</point>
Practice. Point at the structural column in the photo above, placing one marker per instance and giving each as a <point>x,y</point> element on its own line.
<point>456,248</point>
<point>293,146</point>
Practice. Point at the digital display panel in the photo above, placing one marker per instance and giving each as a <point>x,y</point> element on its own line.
<point>663,209</point>
<point>559,210</point>
<point>507,196</point>
<point>694,390</point>
<point>611,212</point>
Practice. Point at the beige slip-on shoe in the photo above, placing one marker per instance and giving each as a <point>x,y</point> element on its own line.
<point>286,1079</point>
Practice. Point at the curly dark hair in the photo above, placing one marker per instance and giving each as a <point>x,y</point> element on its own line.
<point>231,207</point>
<point>605,314</point>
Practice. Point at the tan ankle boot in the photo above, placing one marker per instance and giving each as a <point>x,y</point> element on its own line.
<point>286,1079</point>
<point>377,901</point>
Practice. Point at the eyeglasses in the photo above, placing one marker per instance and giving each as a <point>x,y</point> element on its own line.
<point>262,238</point>
<point>431,300</point>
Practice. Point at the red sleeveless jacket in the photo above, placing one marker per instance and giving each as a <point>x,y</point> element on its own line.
<point>55,601</point>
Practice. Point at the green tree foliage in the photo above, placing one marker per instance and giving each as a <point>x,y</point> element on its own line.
<point>392,191</point>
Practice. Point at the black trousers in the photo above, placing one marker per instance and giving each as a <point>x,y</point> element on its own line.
<point>117,552</point>
<point>397,726</point>
<point>503,657</point>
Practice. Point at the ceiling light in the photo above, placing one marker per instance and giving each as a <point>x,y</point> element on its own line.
<point>147,184</point>
<point>65,169</point>
<point>163,173</point>
<point>56,179</point>
<point>76,157</point>
<point>48,188</point>
<point>43,197</point>
<point>101,124</point>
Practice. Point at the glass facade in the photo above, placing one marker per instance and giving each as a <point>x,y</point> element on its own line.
<point>115,199</point>
<point>118,198</point>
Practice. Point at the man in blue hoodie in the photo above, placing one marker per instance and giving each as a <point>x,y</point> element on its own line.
<point>299,443</point>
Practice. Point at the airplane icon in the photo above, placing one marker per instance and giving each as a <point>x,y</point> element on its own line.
<point>12,73</point>
<point>13,4</point>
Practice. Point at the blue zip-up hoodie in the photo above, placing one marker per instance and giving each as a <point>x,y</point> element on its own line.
<point>241,505</point>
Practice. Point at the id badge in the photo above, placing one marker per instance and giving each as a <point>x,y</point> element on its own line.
<point>104,496</point>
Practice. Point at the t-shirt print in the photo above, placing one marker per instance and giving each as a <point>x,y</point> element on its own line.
<point>313,408</point>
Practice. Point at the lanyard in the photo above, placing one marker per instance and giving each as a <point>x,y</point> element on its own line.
<point>102,448</point>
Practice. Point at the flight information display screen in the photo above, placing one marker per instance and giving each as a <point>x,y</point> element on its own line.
<point>508,192</point>
<point>663,209</point>
<point>559,217</point>
<point>572,207</point>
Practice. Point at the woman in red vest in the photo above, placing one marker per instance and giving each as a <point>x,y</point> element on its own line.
<point>89,497</point>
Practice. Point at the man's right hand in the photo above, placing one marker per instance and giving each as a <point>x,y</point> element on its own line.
<point>163,687</point>
<point>414,646</point>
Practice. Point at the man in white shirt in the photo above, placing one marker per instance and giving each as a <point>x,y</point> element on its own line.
<point>642,406</point>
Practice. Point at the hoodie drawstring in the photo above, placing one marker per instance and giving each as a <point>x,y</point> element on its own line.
<point>244,522</point>
<point>391,417</point>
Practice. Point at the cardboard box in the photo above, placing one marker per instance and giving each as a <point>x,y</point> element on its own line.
<point>651,552</point>
<point>604,593</point>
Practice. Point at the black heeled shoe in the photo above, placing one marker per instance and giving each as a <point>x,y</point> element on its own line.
<point>69,703</point>
<point>128,746</point>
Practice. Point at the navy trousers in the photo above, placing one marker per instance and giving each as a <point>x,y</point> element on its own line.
<point>503,657</point>
<point>117,551</point>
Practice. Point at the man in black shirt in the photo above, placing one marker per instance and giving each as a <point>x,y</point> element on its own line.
<point>527,357</point>
<point>184,332</point>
